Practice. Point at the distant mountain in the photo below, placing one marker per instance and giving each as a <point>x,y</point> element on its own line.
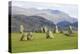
<point>65,24</point>
<point>31,23</point>
<point>52,15</point>
<point>75,24</point>
<point>33,18</point>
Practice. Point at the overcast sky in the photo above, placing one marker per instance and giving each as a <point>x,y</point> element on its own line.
<point>70,9</point>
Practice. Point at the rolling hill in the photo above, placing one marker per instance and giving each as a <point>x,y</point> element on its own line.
<point>31,23</point>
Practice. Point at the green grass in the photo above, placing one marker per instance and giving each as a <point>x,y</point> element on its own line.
<point>40,43</point>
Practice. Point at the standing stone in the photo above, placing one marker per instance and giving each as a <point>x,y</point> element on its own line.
<point>45,29</point>
<point>70,30</point>
<point>24,36</point>
<point>57,31</point>
<point>21,28</point>
<point>29,36</point>
<point>49,34</point>
<point>21,32</point>
<point>42,29</point>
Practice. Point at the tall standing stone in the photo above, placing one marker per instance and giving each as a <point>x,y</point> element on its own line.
<point>70,30</point>
<point>42,29</point>
<point>21,28</point>
<point>22,32</point>
<point>51,34</point>
<point>57,31</point>
<point>45,28</point>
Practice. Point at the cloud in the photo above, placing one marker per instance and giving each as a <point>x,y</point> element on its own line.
<point>70,9</point>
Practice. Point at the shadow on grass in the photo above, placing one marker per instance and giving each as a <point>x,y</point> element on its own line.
<point>69,35</point>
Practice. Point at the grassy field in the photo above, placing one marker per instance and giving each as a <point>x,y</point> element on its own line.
<point>40,43</point>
